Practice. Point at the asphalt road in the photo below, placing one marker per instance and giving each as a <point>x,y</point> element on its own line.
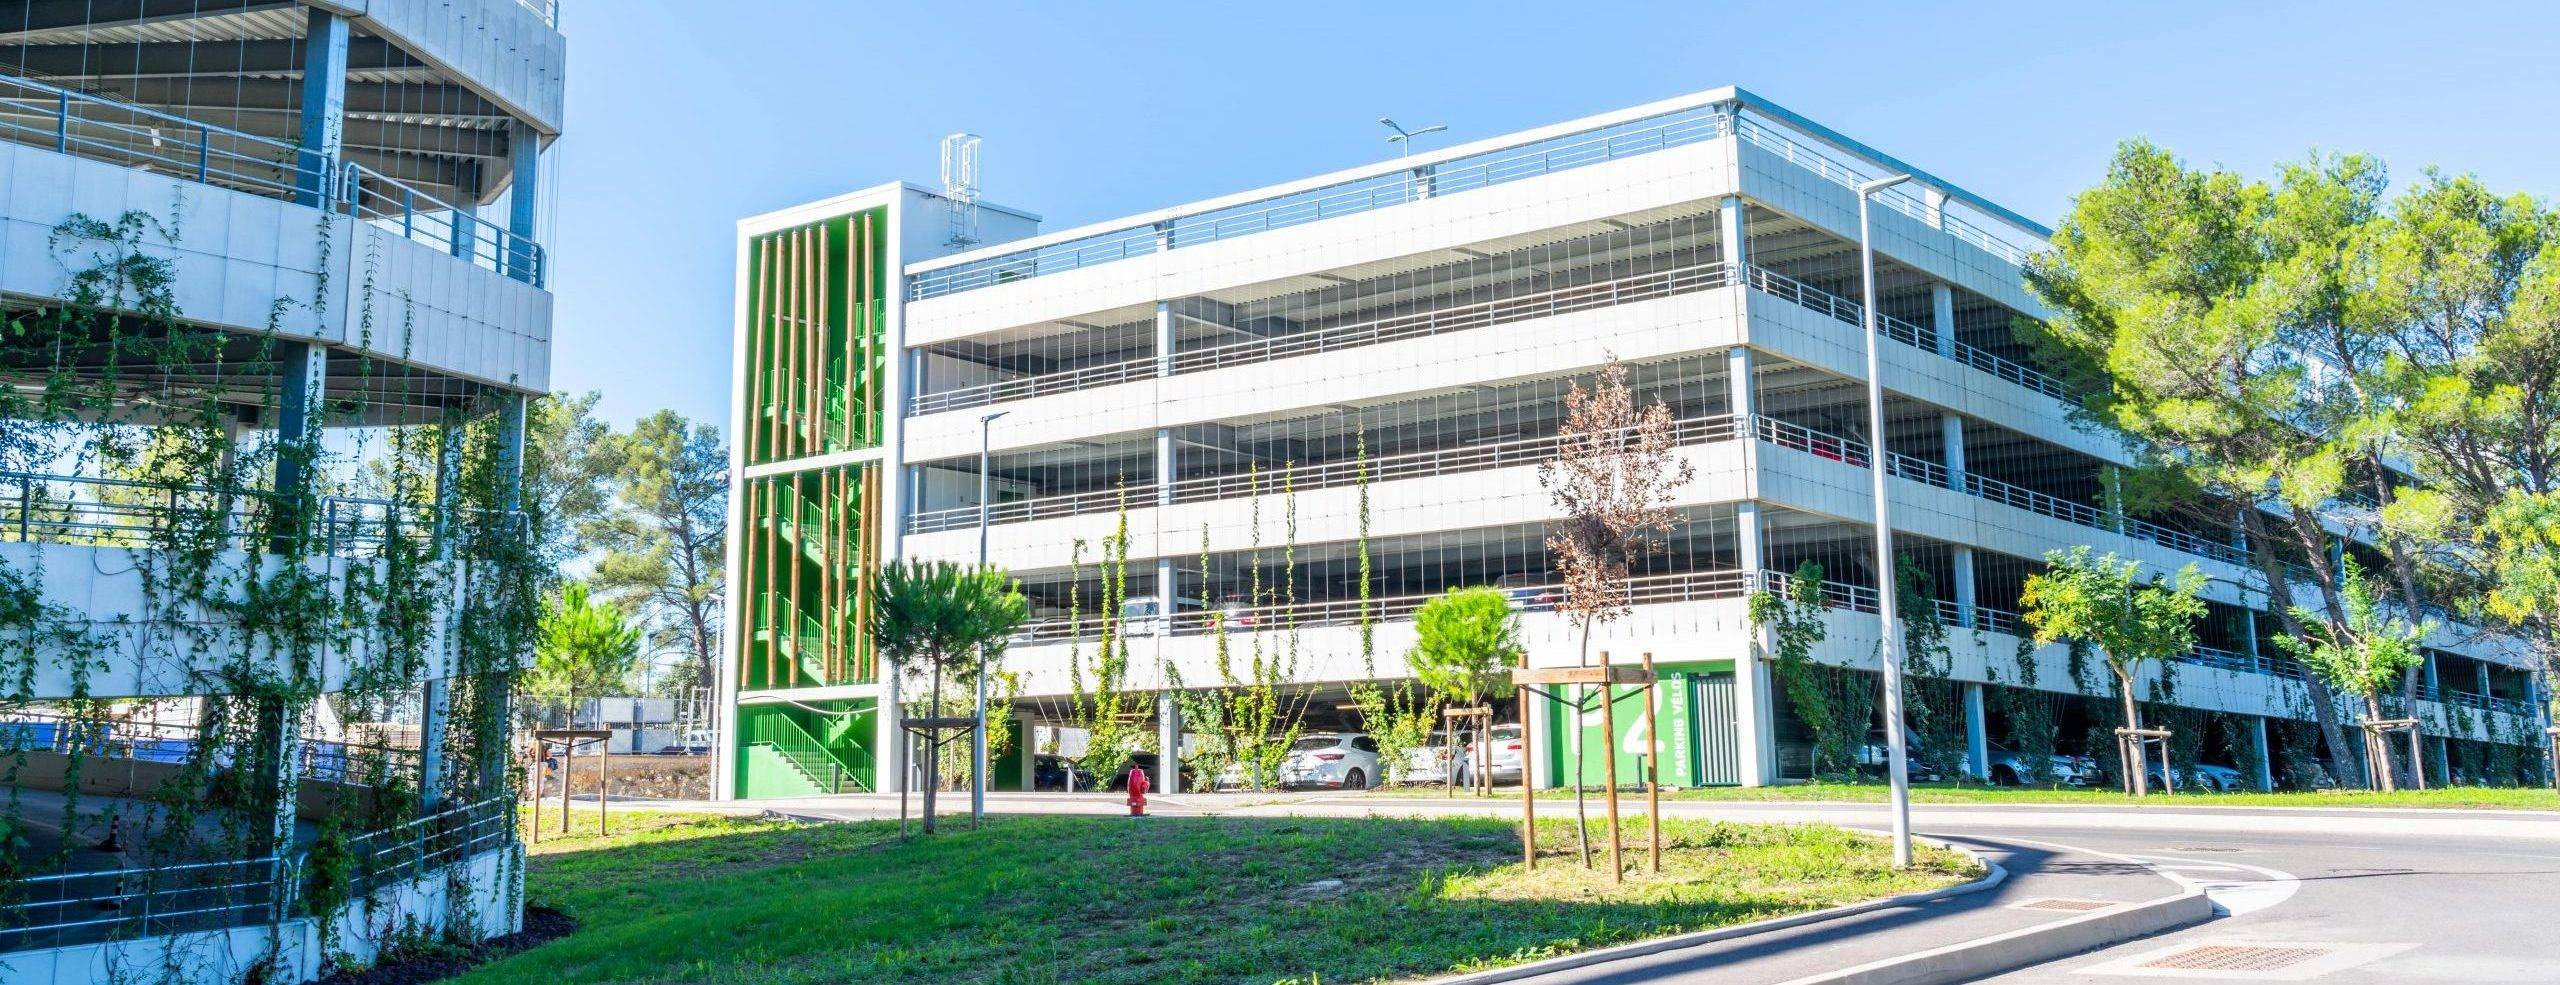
<point>2344,896</point>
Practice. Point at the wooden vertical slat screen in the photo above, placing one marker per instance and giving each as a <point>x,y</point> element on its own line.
<point>816,365</point>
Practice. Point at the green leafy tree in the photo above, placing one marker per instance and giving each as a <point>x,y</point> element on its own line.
<point>935,619</point>
<point>1465,643</point>
<point>1834,703</point>
<point>664,540</point>
<point>2180,298</point>
<point>586,645</point>
<point>2363,656</point>
<point>568,467</point>
<point>2132,619</point>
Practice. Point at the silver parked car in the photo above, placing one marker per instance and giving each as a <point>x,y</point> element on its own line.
<point>2009,769</point>
<point>1506,757</point>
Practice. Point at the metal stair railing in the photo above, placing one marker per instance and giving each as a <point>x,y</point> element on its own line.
<point>815,760</point>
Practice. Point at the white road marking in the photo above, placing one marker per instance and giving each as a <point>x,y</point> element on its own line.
<point>2231,897</point>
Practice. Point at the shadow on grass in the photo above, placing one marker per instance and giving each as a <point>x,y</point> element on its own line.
<point>1220,899</point>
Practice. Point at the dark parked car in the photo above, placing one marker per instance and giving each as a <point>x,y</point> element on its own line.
<point>1050,772</point>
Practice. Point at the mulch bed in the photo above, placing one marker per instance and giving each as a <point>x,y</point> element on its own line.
<point>541,926</point>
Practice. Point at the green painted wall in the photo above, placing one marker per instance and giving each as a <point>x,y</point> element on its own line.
<point>846,737</point>
<point>1693,747</point>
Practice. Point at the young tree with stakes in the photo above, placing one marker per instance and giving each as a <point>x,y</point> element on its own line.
<point>2107,603</point>
<point>931,618</point>
<point>585,645</point>
<point>1613,477</point>
<point>2363,656</point>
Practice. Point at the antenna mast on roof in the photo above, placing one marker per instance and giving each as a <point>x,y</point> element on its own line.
<point>960,187</point>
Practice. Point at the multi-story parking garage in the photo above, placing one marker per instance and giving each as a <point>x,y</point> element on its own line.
<point>1277,390</point>
<point>276,300</point>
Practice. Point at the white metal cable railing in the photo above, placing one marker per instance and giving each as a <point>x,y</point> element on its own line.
<point>418,217</point>
<point>92,511</point>
<point>1901,198</point>
<point>95,127</point>
<point>1623,290</point>
<point>1484,170</point>
<point>1689,586</point>
<point>1301,478</point>
<point>1853,452</point>
<point>78,907</point>
<point>1907,332</point>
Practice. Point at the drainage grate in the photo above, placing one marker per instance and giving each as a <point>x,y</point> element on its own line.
<point>2235,957</point>
<point>2073,905</point>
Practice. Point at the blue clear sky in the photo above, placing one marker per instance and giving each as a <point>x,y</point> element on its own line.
<point>681,122</point>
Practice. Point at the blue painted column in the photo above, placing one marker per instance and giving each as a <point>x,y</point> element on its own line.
<point>1977,735</point>
<point>524,154</point>
<point>324,107</point>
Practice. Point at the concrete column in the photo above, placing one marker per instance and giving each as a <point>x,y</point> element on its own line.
<point>462,240</point>
<point>524,155</point>
<point>324,106</point>
<point>2481,665</point>
<point>2266,766</point>
<point>1754,708</point>
<point>1977,735</point>
<point>1734,236</point>
<point>434,711</point>
<point>1164,339</point>
<point>1951,440</point>
<point>1936,201</point>
<point>1742,400</point>
<point>282,723</point>
<point>1942,317</point>
<point>2429,672</point>
<point>890,762</point>
<point>1967,601</point>
<point>1169,741</point>
<point>305,370</point>
<point>511,410</point>
<point>1424,178</point>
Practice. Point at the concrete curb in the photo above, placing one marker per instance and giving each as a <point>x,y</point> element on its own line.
<point>2000,953</point>
<point>1992,878</point>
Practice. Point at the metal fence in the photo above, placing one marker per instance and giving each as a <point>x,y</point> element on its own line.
<point>79,907</point>
<point>1484,170</point>
<point>1302,478</point>
<point>1647,590</point>
<point>99,128</point>
<point>1523,307</point>
<point>103,512</point>
<point>1907,332</point>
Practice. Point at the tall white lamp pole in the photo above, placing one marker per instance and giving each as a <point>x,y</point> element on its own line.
<point>978,741</point>
<point>1889,647</point>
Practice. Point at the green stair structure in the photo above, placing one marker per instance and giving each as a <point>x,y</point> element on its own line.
<point>780,755</point>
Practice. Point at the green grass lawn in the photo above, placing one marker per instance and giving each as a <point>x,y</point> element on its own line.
<point>674,898</point>
<point>2465,798</point>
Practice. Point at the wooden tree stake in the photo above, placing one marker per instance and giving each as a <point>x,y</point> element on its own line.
<point>1609,768</point>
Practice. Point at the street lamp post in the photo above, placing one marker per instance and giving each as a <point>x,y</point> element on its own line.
<point>1889,645</point>
<point>1403,138</point>
<point>978,738</point>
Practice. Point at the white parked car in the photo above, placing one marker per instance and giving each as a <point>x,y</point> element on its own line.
<point>1426,763</point>
<point>1506,757</point>
<point>1345,760</point>
<point>1144,615</point>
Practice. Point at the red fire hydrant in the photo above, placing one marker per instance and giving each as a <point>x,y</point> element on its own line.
<point>1137,793</point>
